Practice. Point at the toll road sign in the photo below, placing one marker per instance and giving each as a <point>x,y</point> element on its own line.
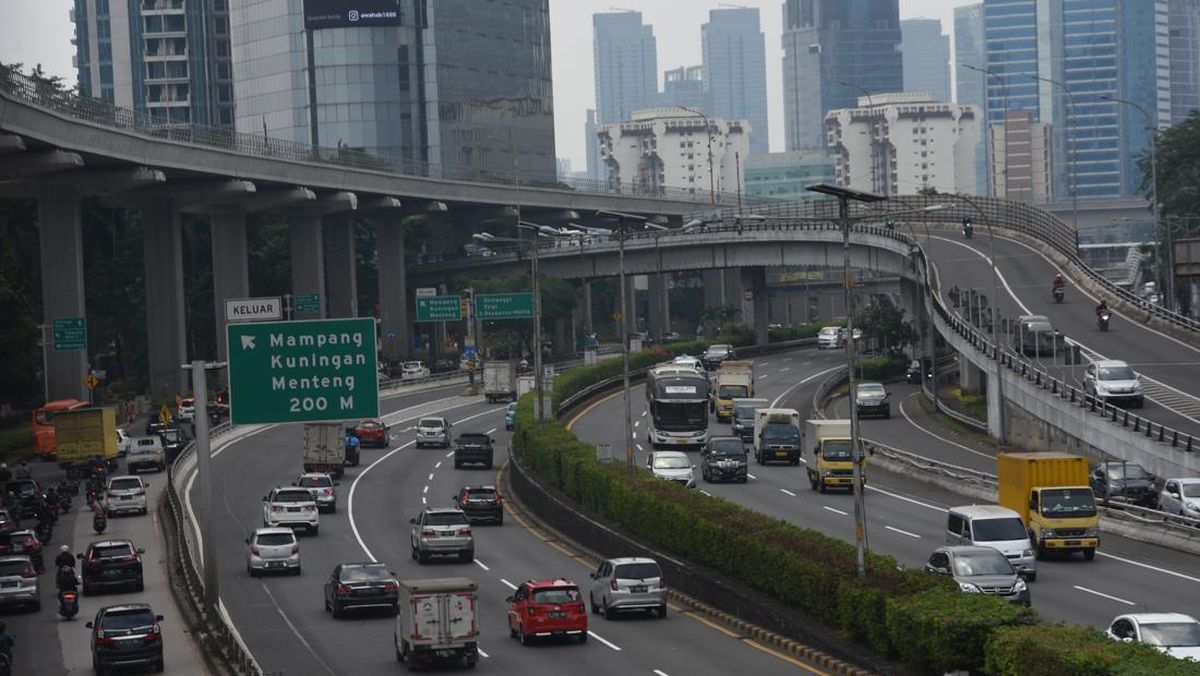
<point>504,306</point>
<point>70,333</point>
<point>439,309</point>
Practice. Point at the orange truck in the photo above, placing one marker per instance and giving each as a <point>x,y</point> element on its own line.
<point>43,425</point>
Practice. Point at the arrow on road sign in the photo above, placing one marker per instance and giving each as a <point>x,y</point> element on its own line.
<point>248,342</point>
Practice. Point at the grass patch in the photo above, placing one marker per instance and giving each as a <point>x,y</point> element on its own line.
<point>16,442</point>
<point>974,405</point>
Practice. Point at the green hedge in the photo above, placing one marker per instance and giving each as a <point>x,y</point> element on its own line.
<point>923,619</point>
<point>16,442</point>
<point>881,368</point>
<point>785,333</point>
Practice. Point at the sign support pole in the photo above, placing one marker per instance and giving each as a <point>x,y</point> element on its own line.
<point>45,364</point>
<point>212,597</point>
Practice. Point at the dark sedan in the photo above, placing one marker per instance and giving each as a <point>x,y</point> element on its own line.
<point>481,503</point>
<point>873,399</point>
<point>724,459</point>
<point>127,635</point>
<point>112,563</point>
<point>1126,482</point>
<point>361,585</point>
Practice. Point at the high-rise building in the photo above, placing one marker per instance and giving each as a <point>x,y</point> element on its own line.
<point>592,146</point>
<point>735,70</point>
<point>684,87</point>
<point>969,49</point>
<point>1022,156</point>
<point>1094,53</point>
<point>454,84</point>
<point>167,58</point>
<point>828,42</point>
<point>625,55</point>
<point>787,175</point>
<point>926,53</point>
<point>901,143</point>
<point>670,147</point>
<point>1184,25</point>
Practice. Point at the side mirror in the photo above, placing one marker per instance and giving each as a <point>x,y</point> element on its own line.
<point>491,440</point>
<point>140,550</point>
<point>158,618</point>
<point>294,483</point>
<point>592,575</point>
<point>337,483</point>
<point>88,625</point>
<point>265,498</point>
<point>1174,492</point>
<point>79,556</point>
<point>1033,502</point>
<point>247,540</point>
<point>413,521</point>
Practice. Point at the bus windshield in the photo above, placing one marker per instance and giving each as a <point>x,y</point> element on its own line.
<point>681,417</point>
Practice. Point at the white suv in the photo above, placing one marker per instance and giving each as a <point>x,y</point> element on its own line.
<point>146,453</point>
<point>273,549</point>
<point>292,507</point>
<point>1112,381</point>
<point>125,494</point>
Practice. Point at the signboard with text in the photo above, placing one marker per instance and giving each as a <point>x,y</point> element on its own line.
<point>302,371</point>
<point>350,13</point>
<point>307,303</point>
<point>70,333</point>
<point>439,309</point>
<point>504,306</point>
<point>254,309</point>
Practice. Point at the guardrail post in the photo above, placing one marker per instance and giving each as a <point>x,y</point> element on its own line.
<point>1188,449</point>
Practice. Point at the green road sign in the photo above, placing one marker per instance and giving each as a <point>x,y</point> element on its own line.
<point>70,333</point>
<point>307,303</point>
<point>302,371</point>
<point>439,308</point>
<point>504,306</point>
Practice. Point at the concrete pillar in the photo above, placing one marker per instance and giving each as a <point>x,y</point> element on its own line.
<point>731,283</point>
<point>60,229</point>
<point>393,291</point>
<point>996,417</point>
<point>970,377</point>
<point>308,260</point>
<point>659,314</point>
<point>586,323</point>
<point>753,301</point>
<point>340,265</point>
<point>165,317</point>
<point>714,288</point>
<point>231,269</point>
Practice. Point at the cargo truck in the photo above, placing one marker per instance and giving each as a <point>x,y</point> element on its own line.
<point>82,434</point>
<point>499,380</point>
<point>831,464</point>
<point>438,621</point>
<point>43,425</point>
<point>735,380</point>
<point>1051,493</point>
<point>777,435</point>
<point>325,448</point>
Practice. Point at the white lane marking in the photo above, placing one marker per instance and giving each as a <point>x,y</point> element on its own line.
<point>481,653</point>
<point>938,436</point>
<point>905,499</point>
<point>660,672</point>
<point>424,501</point>
<point>635,435</point>
<point>1110,597</point>
<point>430,477</point>
<point>751,476</point>
<point>762,377</point>
<point>424,404</point>
<point>835,511</point>
<point>903,532</point>
<point>425,490</point>
<point>601,639</point>
<point>764,363</point>
<point>437,466</point>
<point>1147,566</point>
<point>354,485</point>
<point>480,564</point>
<point>775,404</point>
<point>706,492</point>
<point>784,490</point>
<point>509,584</point>
<point>785,368</point>
<point>787,358</point>
<point>637,423</point>
<point>639,447</point>
<point>294,630</point>
<point>807,363</point>
<point>643,414</point>
<point>491,431</point>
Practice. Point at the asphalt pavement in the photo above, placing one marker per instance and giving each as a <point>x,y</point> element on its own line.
<point>906,517</point>
<point>47,645</point>
<point>282,618</point>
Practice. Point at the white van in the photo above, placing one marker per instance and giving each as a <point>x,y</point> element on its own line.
<point>996,527</point>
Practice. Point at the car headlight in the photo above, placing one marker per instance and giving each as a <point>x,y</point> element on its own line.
<point>1047,533</point>
<point>827,473</point>
<point>1192,506</point>
<point>1027,553</point>
<point>1091,532</point>
<point>1019,586</point>
<point>968,587</point>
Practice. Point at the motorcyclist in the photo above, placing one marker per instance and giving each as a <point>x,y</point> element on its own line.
<point>1059,282</point>
<point>65,558</point>
<point>5,472</point>
<point>23,471</point>
<point>1102,307</point>
<point>65,580</point>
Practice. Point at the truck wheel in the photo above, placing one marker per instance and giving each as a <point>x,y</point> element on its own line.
<point>821,487</point>
<point>1089,554</point>
<point>812,482</point>
<point>1041,551</point>
<point>457,464</point>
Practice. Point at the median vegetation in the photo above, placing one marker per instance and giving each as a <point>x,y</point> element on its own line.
<point>910,615</point>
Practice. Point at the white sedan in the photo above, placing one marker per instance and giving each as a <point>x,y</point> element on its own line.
<point>1175,634</point>
<point>413,370</point>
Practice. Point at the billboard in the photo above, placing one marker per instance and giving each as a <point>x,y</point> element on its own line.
<point>350,13</point>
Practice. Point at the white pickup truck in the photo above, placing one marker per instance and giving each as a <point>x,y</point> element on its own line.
<point>146,453</point>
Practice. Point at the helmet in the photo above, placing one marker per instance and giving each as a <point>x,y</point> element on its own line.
<point>64,549</point>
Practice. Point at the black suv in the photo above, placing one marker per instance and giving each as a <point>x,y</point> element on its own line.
<point>126,635</point>
<point>724,459</point>
<point>480,503</point>
<point>112,563</point>
<point>474,449</point>
<point>174,440</point>
<point>29,497</point>
<point>1125,482</point>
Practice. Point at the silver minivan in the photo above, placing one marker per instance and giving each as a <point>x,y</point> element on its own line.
<point>628,584</point>
<point>996,527</point>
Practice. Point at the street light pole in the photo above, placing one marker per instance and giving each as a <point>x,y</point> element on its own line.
<point>987,126</point>
<point>1073,150</point>
<point>875,178</point>
<point>712,188</point>
<point>1001,436</point>
<point>625,391</point>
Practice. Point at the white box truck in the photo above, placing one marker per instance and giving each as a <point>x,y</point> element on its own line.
<point>499,380</point>
<point>438,621</point>
<point>325,448</point>
<point>777,435</point>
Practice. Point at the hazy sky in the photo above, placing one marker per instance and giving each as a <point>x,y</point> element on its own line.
<point>39,31</point>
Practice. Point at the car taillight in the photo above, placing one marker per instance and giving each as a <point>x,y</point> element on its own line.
<point>296,548</point>
<point>29,573</point>
<point>328,491</point>
<point>428,532</point>
<point>390,587</point>
<point>254,550</point>
<point>155,633</point>
<point>662,581</point>
<point>613,584</point>
<point>464,531</point>
<point>140,491</point>
<point>343,589</point>
<point>578,607</point>
<point>101,639</point>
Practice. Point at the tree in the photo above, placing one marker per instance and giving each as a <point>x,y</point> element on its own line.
<point>883,323</point>
<point>1178,168</point>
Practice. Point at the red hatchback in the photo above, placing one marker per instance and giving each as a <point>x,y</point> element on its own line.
<point>544,608</point>
<point>372,433</point>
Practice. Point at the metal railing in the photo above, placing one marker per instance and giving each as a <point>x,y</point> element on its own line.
<point>102,113</point>
<point>218,632</point>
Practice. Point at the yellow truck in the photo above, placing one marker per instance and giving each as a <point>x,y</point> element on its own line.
<point>84,433</point>
<point>735,380</point>
<point>831,464</point>
<point>1051,493</point>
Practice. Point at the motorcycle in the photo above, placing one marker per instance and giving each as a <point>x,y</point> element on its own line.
<point>64,503</point>
<point>1102,318</point>
<point>1058,294</point>
<point>99,521</point>
<point>44,532</point>
<point>968,230</point>
<point>68,604</point>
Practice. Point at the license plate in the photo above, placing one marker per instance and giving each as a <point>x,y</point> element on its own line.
<point>557,614</point>
<point>275,564</point>
<point>1073,543</point>
<point>780,454</point>
<point>126,497</point>
<point>9,585</point>
<point>681,441</point>
<point>111,573</point>
<point>638,589</point>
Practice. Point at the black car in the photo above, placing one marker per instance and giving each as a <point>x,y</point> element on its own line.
<point>361,585</point>
<point>741,420</point>
<point>715,355</point>
<point>1125,482</point>
<point>873,399</point>
<point>126,635</point>
<point>28,497</point>
<point>473,449</point>
<point>154,425</point>
<point>480,503</point>
<point>174,440</point>
<point>913,374</point>
<point>112,563</point>
<point>724,459</point>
